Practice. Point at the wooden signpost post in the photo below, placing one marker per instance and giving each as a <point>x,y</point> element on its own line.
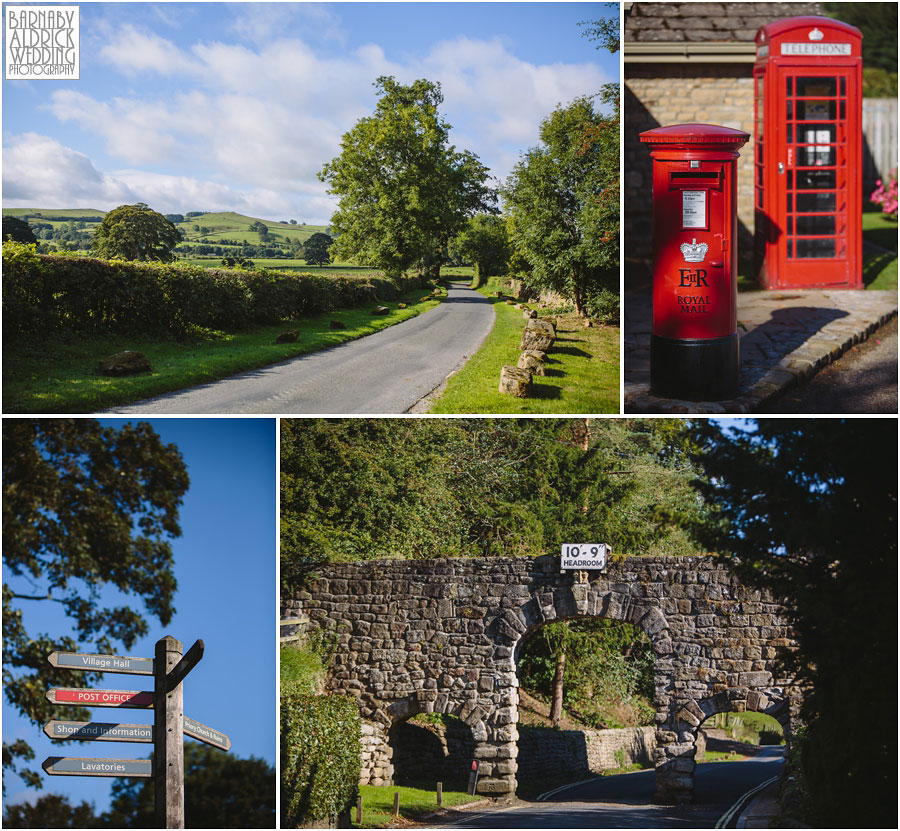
<point>169,667</point>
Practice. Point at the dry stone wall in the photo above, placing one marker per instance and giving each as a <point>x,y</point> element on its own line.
<point>442,636</point>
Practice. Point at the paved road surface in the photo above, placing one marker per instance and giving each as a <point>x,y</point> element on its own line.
<point>382,373</point>
<point>624,801</point>
<point>862,380</point>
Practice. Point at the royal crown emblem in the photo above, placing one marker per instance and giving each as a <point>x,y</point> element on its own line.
<point>693,251</point>
<point>816,34</point>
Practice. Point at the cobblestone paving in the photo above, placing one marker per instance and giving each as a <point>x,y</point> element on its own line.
<point>785,338</point>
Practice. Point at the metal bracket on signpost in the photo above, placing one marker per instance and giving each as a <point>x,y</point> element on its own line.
<point>473,778</point>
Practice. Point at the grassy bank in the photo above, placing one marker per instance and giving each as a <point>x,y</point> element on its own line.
<point>582,369</point>
<point>880,267</point>
<point>42,376</point>
<point>378,804</point>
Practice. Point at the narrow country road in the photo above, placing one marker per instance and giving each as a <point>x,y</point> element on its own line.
<point>625,801</point>
<point>387,372</point>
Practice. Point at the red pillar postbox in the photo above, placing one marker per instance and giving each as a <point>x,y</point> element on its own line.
<point>808,154</point>
<point>694,341</point>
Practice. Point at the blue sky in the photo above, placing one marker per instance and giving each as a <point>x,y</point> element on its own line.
<point>236,106</point>
<point>226,572</point>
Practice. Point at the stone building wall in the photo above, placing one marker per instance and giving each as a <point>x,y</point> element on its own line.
<point>442,636</point>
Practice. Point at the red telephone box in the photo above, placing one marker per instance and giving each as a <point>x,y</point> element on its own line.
<point>808,162</point>
<point>694,341</point>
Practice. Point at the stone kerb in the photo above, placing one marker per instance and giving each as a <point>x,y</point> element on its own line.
<point>443,635</point>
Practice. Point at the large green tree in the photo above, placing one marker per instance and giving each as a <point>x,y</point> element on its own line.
<point>220,791</point>
<point>84,507</point>
<point>564,200</point>
<point>315,249</point>
<point>135,232</point>
<point>807,508</point>
<point>404,190</point>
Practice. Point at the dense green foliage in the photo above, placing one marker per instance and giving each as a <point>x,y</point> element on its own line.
<point>878,24</point>
<point>404,190</point>
<point>135,232</point>
<point>320,762</point>
<point>808,509</point>
<point>220,791</point>
<point>360,489</point>
<point>17,230</point>
<point>484,242</point>
<point>315,249</point>
<point>46,293</point>
<point>563,198</point>
<point>51,810</point>
<point>83,506</point>
<point>302,663</point>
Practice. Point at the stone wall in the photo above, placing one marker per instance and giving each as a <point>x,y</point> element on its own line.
<point>543,751</point>
<point>442,636</point>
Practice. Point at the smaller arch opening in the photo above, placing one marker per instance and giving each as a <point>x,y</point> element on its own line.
<point>432,747</point>
<point>726,735</point>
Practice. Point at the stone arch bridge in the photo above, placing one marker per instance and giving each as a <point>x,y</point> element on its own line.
<point>442,636</point>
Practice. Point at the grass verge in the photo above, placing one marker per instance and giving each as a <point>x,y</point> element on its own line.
<point>880,267</point>
<point>44,376</point>
<point>582,369</point>
<point>378,804</point>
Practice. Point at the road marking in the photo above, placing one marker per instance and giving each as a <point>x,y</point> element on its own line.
<point>545,796</point>
<point>729,814</point>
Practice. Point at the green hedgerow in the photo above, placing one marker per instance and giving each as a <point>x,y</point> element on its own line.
<point>320,764</point>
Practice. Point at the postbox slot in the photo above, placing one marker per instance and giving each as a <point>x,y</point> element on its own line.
<point>694,178</point>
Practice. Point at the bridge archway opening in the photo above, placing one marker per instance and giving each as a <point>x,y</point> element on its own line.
<point>600,674</point>
<point>431,747</point>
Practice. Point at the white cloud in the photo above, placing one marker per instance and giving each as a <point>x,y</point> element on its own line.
<point>135,52</point>
<point>39,172</point>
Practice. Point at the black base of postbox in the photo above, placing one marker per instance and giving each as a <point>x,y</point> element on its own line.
<point>704,369</point>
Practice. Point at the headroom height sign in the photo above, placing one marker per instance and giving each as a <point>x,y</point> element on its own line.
<point>41,43</point>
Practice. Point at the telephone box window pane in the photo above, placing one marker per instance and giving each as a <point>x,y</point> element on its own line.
<point>790,132</point>
<point>790,225</point>
<point>790,85</point>
<point>808,202</point>
<point>816,86</point>
<point>816,156</point>
<point>790,247</point>
<point>815,248</point>
<point>843,85</point>
<point>843,110</point>
<point>790,109</point>
<point>790,183</point>
<point>790,201</point>
<point>815,179</point>
<point>815,110</point>
<point>815,224</point>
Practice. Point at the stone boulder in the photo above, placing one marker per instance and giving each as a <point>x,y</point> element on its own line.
<point>337,324</point>
<point>538,334</point>
<point>288,336</point>
<point>515,381</point>
<point>529,314</point>
<point>124,363</point>
<point>527,360</point>
<point>380,310</point>
<point>401,305</point>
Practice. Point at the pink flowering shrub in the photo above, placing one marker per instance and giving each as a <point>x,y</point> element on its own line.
<point>886,195</point>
